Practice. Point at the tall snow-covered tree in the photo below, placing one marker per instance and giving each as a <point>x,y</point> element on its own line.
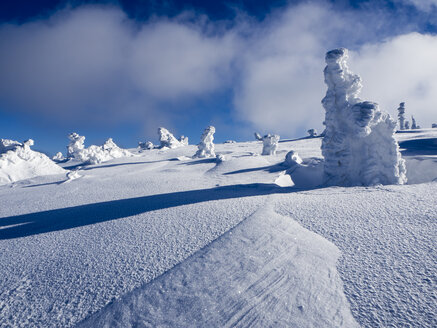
<point>359,145</point>
<point>206,145</point>
<point>401,116</point>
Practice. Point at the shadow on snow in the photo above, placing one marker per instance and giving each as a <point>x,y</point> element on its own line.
<point>82,215</point>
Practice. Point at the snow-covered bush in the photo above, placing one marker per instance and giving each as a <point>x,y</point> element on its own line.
<point>145,145</point>
<point>401,116</point>
<point>258,136</point>
<point>183,140</point>
<point>312,132</point>
<point>167,139</point>
<point>230,142</point>
<point>434,125</point>
<point>58,157</point>
<point>94,154</point>
<point>359,146</point>
<point>206,145</point>
<point>270,144</point>
<point>18,162</point>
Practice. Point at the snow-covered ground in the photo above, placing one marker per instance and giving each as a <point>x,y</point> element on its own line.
<point>163,239</point>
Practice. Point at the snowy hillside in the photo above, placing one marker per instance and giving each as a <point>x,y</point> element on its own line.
<point>164,239</point>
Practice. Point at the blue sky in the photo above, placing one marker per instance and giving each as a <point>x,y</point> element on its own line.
<point>122,69</point>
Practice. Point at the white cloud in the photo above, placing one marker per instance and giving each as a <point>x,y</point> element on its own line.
<point>402,69</point>
<point>94,64</point>
<point>424,5</point>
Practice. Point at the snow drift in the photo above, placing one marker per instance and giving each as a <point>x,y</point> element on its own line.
<point>18,162</point>
<point>359,146</point>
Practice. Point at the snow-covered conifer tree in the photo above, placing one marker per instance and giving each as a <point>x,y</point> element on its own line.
<point>167,139</point>
<point>270,144</point>
<point>206,145</point>
<point>401,116</point>
<point>312,132</point>
<point>359,145</point>
<point>183,140</point>
<point>76,144</point>
<point>407,125</point>
<point>413,123</point>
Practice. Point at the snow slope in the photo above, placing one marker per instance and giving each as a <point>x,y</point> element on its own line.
<point>95,249</point>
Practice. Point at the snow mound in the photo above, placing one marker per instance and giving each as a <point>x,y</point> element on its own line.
<point>304,174</point>
<point>19,162</point>
<point>94,154</point>
<point>267,272</point>
<point>270,144</point>
<point>359,145</point>
<point>167,139</point>
<point>206,145</point>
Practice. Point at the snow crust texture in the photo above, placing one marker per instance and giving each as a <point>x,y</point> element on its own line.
<point>270,144</point>
<point>246,278</point>
<point>359,145</point>
<point>18,162</point>
<point>206,145</point>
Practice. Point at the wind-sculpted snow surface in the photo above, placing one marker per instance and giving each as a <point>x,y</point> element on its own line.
<point>246,278</point>
<point>206,145</point>
<point>18,162</point>
<point>94,154</point>
<point>167,139</point>
<point>270,144</point>
<point>359,145</point>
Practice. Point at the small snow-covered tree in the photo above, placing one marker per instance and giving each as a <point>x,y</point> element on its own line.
<point>359,145</point>
<point>434,125</point>
<point>167,139</point>
<point>312,132</point>
<point>413,123</point>
<point>258,136</point>
<point>401,116</point>
<point>58,157</point>
<point>183,140</point>
<point>270,144</point>
<point>145,145</point>
<point>407,125</point>
<point>206,145</point>
<point>76,145</point>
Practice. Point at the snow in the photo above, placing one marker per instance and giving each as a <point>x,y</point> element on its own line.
<point>359,146</point>
<point>246,277</point>
<point>161,237</point>
<point>18,162</point>
<point>206,146</point>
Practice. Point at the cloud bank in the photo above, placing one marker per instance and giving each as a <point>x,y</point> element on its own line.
<point>94,64</point>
